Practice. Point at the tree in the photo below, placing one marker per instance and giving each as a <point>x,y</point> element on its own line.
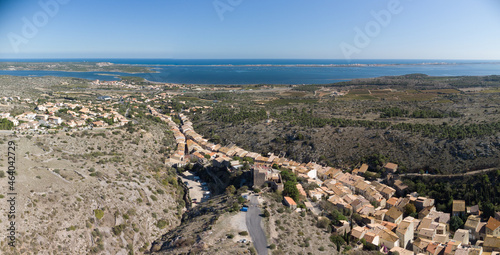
<point>357,218</point>
<point>410,209</point>
<point>6,124</point>
<point>287,175</point>
<point>241,200</point>
<point>230,190</point>
<point>323,222</point>
<point>368,246</point>
<point>337,217</point>
<point>246,166</point>
<point>456,223</point>
<point>290,189</point>
<point>266,213</point>
<point>488,210</point>
<point>337,240</point>
<point>243,189</point>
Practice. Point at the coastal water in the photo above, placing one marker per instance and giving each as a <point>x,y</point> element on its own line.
<point>262,71</point>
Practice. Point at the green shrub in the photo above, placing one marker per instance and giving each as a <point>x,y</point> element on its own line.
<point>252,250</point>
<point>117,230</point>
<point>98,213</point>
<point>266,213</point>
<point>161,224</point>
<point>323,222</point>
<point>241,200</point>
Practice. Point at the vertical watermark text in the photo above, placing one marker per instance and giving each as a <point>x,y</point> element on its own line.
<point>11,201</point>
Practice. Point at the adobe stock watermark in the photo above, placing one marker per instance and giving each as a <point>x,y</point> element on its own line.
<point>223,6</point>
<point>371,29</point>
<point>30,27</point>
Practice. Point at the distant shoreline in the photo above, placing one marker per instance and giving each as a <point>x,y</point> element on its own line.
<point>324,65</point>
<point>251,62</point>
<point>244,72</point>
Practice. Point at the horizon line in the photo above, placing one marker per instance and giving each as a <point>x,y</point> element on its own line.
<point>26,58</point>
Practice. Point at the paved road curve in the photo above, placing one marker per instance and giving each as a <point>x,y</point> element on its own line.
<point>253,220</point>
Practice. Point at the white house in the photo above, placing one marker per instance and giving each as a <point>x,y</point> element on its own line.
<point>55,120</point>
<point>405,232</point>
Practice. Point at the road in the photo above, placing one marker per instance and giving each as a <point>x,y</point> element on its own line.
<point>253,220</point>
<point>452,175</point>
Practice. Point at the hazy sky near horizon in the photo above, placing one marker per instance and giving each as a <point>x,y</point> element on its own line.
<point>301,29</point>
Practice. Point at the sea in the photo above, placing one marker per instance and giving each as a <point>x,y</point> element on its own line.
<point>270,71</point>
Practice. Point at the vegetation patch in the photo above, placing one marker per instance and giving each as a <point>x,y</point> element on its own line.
<point>99,213</point>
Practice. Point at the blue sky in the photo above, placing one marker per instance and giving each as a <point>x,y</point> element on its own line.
<point>322,29</point>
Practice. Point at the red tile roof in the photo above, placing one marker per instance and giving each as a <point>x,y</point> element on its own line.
<point>290,201</point>
<point>492,224</point>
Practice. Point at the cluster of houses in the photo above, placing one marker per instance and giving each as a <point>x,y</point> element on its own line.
<point>192,146</point>
<point>382,214</point>
<point>80,115</point>
<point>429,233</point>
<point>122,84</point>
<point>381,211</point>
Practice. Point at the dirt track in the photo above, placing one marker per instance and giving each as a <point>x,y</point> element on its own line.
<point>452,175</point>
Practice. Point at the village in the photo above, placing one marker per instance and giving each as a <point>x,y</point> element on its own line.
<point>380,206</point>
<point>385,221</point>
<point>44,117</point>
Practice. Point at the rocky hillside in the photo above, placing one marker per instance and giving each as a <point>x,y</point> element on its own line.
<point>204,230</point>
<point>435,124</point>
<point>92,191</point>
<point>348,146</point>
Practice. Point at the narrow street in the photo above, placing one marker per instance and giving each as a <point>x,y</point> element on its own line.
<point>254,225</point>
